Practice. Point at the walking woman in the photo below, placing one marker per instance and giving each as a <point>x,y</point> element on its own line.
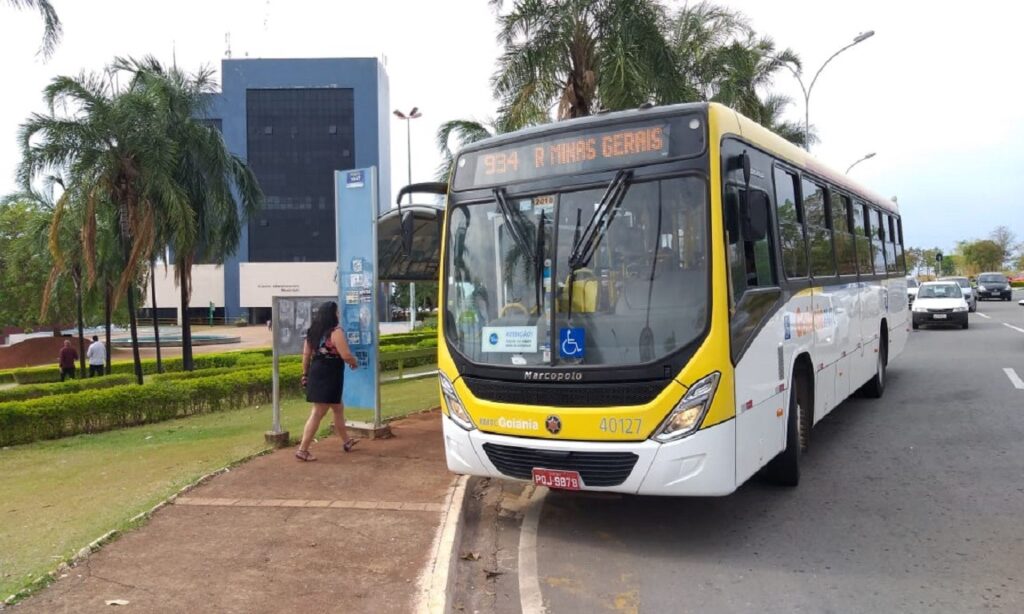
<point>324,357</point>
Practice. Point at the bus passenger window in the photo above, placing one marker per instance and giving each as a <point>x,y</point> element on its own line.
<point>819,235</point>
<point>901,255</point>
<point>878,241</point>
<point>862,234</point>
<point>892,246</point>
<point>791,227</point>
<point>844,235</point>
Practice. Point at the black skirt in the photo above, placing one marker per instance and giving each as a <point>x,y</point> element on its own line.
<point>324,380</point>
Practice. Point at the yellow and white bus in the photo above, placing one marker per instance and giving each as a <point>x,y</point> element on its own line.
<point>660,301</point>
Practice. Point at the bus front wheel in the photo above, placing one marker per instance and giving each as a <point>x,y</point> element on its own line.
<point>784,469</point>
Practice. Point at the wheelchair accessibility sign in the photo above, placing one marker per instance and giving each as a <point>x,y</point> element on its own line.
<point>570,343</point>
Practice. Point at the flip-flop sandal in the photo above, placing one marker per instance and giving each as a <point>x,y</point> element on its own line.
<point>349,444</point>
<point>305,456</point>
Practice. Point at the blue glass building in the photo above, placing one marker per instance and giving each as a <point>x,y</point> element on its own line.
<point>296,121</point>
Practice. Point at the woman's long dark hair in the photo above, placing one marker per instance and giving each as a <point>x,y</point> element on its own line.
<point>324,320</point>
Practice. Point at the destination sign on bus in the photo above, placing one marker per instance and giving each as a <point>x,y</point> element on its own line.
<point>581,152</point>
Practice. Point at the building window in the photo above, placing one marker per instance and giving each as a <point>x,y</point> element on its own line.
<point>297,173</point>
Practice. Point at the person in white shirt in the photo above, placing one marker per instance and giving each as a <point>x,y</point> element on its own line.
<point>97,355</point>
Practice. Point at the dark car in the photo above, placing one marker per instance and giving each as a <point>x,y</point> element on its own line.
<point>994,285</point>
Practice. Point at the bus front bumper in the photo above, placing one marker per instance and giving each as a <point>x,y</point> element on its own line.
<point>702,464</point>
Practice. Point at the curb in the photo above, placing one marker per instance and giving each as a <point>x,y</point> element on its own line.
<point>437,579</point>
<point>132,524</point>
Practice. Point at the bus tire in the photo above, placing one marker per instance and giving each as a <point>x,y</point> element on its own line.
<point>784,469</point>
<point>875,387</point>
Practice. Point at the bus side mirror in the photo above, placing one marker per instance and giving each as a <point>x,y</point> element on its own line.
<point>755,216</point>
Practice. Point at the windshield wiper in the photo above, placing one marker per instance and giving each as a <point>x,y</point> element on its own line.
<point>587,242</point>
<point>514,222</point>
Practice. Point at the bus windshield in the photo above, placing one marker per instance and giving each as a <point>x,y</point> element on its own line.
<point>512,299</point>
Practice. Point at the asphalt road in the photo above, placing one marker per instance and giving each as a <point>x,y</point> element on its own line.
<point>910,503</point>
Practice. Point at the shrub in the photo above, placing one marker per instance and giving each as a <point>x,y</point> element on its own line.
<point>1017,284</point>
<point>92,411</point>
<point>200,373</point>
<point>23,393</point>
<point>39,375</point>
<point>7,377</point>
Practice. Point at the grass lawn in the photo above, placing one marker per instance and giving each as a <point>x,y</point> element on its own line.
<point>57,496</point>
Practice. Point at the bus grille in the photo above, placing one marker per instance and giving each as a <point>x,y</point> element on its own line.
<point>595,468</point>
<point>591,394</point>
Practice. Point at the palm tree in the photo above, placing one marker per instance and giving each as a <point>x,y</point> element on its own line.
<point>51,23</point>
<point>465,131</point>
<point>57,231</point>
<point>116,148</point>
<point>579,57</point>
<point>723,60</point>
<point>220,189</point>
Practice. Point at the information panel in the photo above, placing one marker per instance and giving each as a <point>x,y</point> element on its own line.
<point>292,316</point>
<point>356,203</point>
<point>587,150</point>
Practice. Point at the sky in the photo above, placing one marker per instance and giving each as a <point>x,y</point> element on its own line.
<point>932,94</point>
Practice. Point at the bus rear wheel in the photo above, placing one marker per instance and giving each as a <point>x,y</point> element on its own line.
<point>875,387</point>
<point>784,469</point>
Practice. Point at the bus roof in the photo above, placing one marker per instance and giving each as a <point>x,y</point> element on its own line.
<point>733,122</point>
<point>727,120</point>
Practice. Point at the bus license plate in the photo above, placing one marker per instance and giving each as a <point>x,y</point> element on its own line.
<point>938,316</point>
<point>560,480</point>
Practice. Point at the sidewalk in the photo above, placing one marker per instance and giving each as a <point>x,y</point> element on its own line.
<point>347,533</point>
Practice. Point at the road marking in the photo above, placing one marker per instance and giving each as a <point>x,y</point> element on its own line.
<point>1019,330</point>
<point>1017,382</point>
<point>981,315</point>
<point>530,599</point>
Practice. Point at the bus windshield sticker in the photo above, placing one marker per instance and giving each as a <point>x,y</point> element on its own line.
<point>570,343</point>
<point>514,339</point>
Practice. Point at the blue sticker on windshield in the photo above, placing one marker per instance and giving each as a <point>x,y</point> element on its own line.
<point>570,342</point>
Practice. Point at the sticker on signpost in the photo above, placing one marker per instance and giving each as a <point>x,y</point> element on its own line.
<point>514,339</point>
<point>354,179</point>
<point>570,343</point>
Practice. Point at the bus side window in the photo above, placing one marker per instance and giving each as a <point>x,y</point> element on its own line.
<point>789,214</point>
<point>878,241</point>
<point>892,247</point>
<point>901,255</point>
<point>823,263</point>
<point>843,233</point>
<point>862,235</point>
<point>750,262</point>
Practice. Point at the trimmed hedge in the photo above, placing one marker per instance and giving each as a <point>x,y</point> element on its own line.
<point>239,358</point>
<point>24,393</point>
<point>1017,284</point>
<point>405,338</point>
<point>93,411</point>
<point>40,375</point>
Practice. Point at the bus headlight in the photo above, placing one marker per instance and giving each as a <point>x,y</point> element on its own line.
<point>456,410</point>
<point>689,412</point>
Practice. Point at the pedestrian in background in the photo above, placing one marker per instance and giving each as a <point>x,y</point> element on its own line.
<point>97,356</point>
<point>324,356</point>
<point>66,359</point>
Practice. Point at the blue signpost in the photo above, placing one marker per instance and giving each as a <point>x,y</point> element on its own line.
<point>356,217</point>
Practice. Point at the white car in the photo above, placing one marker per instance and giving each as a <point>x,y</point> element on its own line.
<point>940,302</point>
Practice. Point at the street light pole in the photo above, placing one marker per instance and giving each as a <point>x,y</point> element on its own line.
<point>413,114</point>
<point>860,38</point>
<point>867,157</point>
